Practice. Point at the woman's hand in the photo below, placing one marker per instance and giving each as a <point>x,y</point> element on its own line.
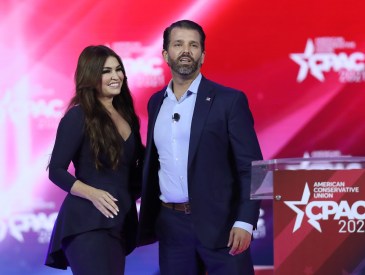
<point>101,199</point>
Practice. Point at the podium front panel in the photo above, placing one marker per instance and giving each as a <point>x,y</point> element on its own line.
<point>319,222</point>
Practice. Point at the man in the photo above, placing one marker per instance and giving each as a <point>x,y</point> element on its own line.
<point>200,145</point>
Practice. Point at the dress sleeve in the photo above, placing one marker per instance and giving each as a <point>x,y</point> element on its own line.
<point>69,137</point>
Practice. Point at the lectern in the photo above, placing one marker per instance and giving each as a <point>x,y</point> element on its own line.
<point>318,213</point>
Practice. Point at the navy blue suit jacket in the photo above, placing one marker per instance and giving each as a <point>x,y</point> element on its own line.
<point>223,144</point>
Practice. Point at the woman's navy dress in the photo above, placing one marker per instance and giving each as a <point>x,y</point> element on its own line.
<point>78,215</point>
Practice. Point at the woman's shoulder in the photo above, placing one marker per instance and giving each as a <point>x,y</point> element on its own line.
<point>74,115</point>
<point>75,112</point>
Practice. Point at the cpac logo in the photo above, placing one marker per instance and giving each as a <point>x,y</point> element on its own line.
<point>318,63</point>
<point>322,210</point>
<point>20,224</point>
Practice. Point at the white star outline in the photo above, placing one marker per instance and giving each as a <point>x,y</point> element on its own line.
<point>303,60</point>
<point>300,213</point>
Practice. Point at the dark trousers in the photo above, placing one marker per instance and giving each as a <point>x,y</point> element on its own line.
<point>181,253</point>
<point>95,253</point>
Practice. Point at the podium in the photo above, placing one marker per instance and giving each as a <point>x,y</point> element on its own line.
<point>318,213</point>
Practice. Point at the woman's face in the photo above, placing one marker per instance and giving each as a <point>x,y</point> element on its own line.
<point>111,79</point>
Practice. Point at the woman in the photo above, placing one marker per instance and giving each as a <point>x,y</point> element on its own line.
<point>99,134</point>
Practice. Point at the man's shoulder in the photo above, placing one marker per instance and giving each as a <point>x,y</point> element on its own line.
<point>156,98</point>
<point>221,89</point>
<point>158,94</point>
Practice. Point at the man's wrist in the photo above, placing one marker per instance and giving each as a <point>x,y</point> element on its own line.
<point>244,225</point>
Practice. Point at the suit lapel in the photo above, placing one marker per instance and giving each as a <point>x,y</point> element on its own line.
<point>204,100</point>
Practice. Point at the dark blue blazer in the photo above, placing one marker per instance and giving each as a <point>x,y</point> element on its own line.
<point>223,143</point>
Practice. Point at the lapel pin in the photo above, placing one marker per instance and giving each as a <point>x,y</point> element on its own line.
<point>207,99</point>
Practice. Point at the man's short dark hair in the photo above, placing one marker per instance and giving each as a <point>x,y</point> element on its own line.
<point>183,24</point>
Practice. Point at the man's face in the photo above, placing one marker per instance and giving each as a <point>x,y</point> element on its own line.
<point>184,54</point>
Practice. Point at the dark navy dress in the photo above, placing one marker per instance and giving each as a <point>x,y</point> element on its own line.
<point>78,215</point>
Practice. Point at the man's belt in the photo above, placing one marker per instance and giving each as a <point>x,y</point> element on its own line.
<point>182,207</point>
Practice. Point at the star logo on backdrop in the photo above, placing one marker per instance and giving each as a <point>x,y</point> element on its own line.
<point>307,63</point>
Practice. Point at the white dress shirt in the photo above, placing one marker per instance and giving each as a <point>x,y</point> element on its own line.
<point>172,142</point>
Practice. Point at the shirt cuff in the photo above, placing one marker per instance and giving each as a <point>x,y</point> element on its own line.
<point>244,225</point>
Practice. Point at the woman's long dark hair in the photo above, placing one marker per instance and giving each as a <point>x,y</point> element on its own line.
<point>101,130</point>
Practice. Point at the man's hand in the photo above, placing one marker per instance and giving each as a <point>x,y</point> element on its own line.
<point>239,240</point>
